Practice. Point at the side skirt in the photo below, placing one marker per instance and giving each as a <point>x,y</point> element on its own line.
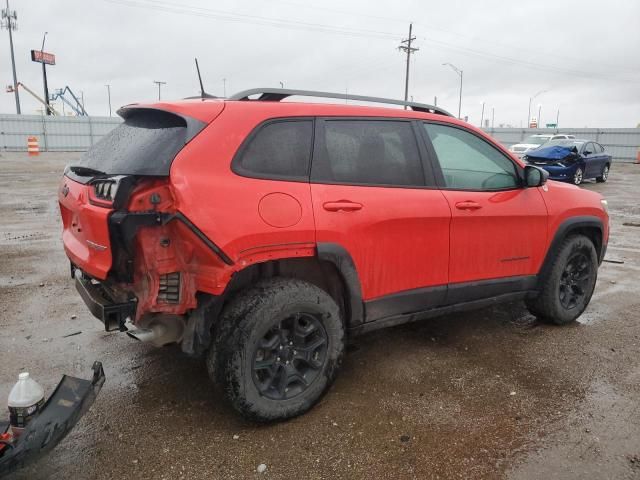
<point>435,312</point>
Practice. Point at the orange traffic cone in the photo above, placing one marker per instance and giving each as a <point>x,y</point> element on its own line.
<point>32,146</point>
<point>638,156</point>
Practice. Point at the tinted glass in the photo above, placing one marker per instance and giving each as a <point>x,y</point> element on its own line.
<point>278,149</point>
<point>374,152</point>
<point>468,162</point>
<point>588,148</point>
<point>599,148</point>
<point>145,144</point>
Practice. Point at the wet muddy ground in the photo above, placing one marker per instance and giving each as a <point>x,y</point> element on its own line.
<point>487,394</point>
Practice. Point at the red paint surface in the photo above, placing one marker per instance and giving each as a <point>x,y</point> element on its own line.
<point>399,238</point>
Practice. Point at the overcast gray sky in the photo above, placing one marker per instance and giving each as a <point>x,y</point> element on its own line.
<point>586,54</point>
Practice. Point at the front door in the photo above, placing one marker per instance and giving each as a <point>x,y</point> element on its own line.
<point>498,227</point>
<point>372,196</point>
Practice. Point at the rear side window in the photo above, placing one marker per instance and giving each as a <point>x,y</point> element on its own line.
<point>468,162</point>
<point>278,149</point>
<point>369,152</point>
<point>145,144</point>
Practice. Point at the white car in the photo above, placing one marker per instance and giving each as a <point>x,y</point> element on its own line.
<point>535,141</point>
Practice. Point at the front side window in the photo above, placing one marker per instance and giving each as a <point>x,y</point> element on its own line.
<point>373,152</point>
<point>468,162</point>
<point>279,149</point>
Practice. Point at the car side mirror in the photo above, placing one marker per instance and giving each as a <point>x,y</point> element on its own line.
<point>535,176</point>
<point>586,152</point>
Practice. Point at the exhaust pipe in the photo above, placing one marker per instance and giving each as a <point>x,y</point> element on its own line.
<point>159,330</point>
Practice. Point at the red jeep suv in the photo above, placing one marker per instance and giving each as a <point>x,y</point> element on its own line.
<point>262,233</point>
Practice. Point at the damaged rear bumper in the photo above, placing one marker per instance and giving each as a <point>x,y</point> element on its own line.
<point>113,314</point>
<point>69,402</point>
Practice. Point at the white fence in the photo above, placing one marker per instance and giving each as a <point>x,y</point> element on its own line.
<point>54,134</point>
<point>79,133</point>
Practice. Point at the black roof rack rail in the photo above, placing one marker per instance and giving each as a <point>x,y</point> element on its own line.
<point>277,94</point>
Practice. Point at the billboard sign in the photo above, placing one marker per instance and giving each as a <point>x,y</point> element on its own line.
<point>43,57</point>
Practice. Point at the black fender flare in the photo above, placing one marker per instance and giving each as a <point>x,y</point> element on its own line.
<point>566,228</point>
<point>341,259</point>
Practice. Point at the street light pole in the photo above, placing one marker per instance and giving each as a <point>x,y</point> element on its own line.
<point>482,115</point>
<point>459,72</point>
<point>159,85</point>
<point>529,112</point>
<point>44,75</point>
<point>493,116</point>
<point>539,110</point>
<point>108,95</point>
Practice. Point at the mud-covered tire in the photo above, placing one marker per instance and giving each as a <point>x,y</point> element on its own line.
<point>576,258</point>
<point>283,311</point>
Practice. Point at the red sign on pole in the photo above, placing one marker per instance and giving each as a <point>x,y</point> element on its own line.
<point>43,57</point>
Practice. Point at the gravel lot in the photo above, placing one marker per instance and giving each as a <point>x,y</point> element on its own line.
<point>486,394</point>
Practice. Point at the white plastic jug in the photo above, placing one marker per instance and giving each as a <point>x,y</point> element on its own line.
<point>25,400</point>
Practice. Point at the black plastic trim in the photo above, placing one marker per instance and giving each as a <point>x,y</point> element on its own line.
<point>340,257</point>
<point>435,312</point>
<point>471,291</point>
<point>401,303</point>
<point>565,228</point>
<point>194,126</point>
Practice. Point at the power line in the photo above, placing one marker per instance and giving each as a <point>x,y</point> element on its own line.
<point>408,49</point>
<point>182,9</point>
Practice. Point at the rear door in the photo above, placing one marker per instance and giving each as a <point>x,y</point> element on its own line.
<point>372,195</point>
<point>498,228</point>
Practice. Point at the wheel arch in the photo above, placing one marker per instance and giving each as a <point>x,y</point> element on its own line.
<point>332,270</point>
<point>590,226</point>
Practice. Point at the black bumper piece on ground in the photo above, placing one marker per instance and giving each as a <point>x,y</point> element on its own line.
<point>114,315</point>
<point>70,400</point>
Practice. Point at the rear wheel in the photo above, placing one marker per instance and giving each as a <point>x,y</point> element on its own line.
<point>280,351</point>
<point>604,175</point>
<point>567,287</point>
<point>578,176</point>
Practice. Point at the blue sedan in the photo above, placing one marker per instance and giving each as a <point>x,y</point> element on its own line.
<point>572,160</point>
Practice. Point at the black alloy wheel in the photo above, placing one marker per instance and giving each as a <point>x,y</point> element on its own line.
<point>290,356</point>
<point>574,281</point>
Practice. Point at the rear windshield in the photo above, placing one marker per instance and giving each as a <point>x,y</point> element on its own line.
<point>145,144</point>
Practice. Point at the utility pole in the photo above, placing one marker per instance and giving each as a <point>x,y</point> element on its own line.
<point>159,86</point>
<point>408,50</point>
<point>108,95</point>
<point>224,87</point>
<point>493,116</point>
<point>9,18</point>
<point>482,115</point>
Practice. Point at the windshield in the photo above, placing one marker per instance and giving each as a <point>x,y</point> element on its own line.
<point>145,144</point>
<point>535,140</point>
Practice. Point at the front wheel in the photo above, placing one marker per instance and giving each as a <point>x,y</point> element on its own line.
<point>281,354</point>
<point>604,175</point>
<point>578,176</point>
<point>567,286</point>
